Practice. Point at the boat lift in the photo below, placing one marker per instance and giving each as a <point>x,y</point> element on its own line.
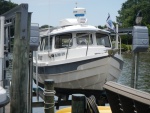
<point>17,23</point>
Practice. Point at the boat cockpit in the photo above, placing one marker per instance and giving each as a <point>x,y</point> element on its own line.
<point>73,40</point>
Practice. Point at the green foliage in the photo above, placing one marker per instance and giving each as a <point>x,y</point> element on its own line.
<point>129,48</point>
<point>101,27</point>
<point>6,6</point>
<point>126,39</point>
<point>46,26</point>
<point>124,47</point>
<point>129,10</point>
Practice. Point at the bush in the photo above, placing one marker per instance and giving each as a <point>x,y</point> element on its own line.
<point>124,47</point>
<point>130,48</point>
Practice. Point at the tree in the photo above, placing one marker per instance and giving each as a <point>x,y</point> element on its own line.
<point>129,10</point>
<point>46,26</point>
<point>6,6</point>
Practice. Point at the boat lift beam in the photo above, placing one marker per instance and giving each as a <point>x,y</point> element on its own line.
<point>122,31</point>
<point>10,15</point>
<point>8,34</point>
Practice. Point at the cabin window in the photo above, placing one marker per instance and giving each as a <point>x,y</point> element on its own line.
<point>63,40</point>
<point>103,39</point>
<point>50,43</point>
<point>44,43</point>
<point>84,39</point>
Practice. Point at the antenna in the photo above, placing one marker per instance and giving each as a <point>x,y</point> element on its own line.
<point>76,4</point>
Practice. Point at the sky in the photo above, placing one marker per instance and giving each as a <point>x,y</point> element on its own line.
<point>50,12</point>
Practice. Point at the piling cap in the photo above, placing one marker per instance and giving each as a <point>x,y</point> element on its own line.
<point>78,97</point>
<point>48,81</point>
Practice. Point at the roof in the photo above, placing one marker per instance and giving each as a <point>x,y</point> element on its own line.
<point>72,28</point>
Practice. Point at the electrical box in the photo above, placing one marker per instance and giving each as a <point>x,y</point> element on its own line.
<point>140,41</point>
<point>34,37</point>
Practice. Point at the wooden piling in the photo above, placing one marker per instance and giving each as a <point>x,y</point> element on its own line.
<point>19,82</point>
<point>49,96</point>
<point>78,103</point>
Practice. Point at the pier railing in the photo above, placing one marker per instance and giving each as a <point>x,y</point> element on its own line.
<point>123,99</point>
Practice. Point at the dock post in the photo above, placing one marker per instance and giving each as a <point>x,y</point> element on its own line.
<point>49,96</point>
<point>19,82</point>
<point>78,103</point>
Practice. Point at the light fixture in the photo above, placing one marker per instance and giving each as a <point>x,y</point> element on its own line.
<point>139,18</point>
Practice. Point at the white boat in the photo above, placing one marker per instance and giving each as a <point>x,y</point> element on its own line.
<point>76,55</point>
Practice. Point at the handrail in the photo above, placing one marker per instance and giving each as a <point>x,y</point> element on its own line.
<point>72,39</point>
<point>87,45</point>
<point>126,99</point>
<point>68,48</point>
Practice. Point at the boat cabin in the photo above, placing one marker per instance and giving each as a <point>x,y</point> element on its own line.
<point>74,39</point>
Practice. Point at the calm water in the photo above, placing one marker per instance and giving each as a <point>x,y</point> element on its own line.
<point>125,78</point>
<point>144,71</point>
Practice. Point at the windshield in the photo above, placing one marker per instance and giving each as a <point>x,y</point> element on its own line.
<point>84,39</point>
<point>63,40</point>
<point>103,39</point>
<point>46,43</point>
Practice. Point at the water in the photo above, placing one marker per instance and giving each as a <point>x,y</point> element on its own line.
<point>125,78</point>
<point>143,82</point>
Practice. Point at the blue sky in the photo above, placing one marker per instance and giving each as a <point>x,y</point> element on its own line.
<point>51,11</point>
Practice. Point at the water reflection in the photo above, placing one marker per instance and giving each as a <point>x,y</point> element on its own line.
<point>144,71</point>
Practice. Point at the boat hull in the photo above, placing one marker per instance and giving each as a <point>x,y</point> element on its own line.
<point>89,75</point>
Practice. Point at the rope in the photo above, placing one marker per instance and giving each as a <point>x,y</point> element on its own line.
<point>49,92</point>
<point>53,104</point>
